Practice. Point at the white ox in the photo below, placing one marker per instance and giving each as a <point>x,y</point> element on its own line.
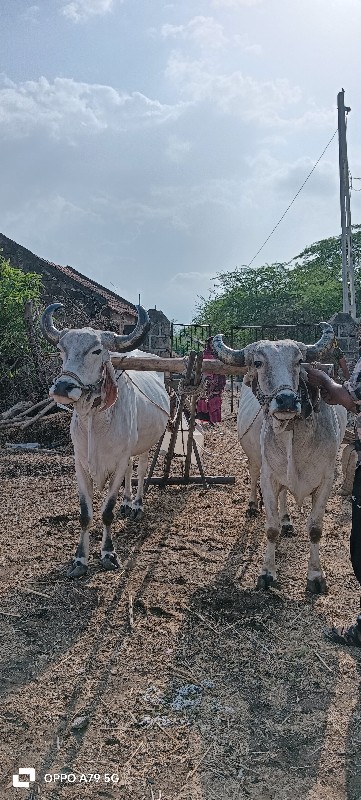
<point>116,415</point>
<point>294,442</point>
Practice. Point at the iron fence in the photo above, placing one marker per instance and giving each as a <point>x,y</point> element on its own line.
<point>187,337</point>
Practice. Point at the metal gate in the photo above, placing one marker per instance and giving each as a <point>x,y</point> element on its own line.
<point>192,336</point>
<point>185,338</point>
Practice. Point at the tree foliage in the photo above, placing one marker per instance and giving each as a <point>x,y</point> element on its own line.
<point>308,289</point>
<point>16,287</point>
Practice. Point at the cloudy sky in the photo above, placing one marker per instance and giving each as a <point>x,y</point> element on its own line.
<point>151,144</point>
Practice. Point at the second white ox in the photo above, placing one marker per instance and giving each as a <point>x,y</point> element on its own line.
<point>294,442</point>
<point>116,415</point>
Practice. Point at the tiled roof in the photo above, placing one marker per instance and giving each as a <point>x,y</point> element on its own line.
<point>27,261</point>
<point>116,303</point>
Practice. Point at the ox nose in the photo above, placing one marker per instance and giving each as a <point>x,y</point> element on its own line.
<point>287,401</point>
<point>64,389</point>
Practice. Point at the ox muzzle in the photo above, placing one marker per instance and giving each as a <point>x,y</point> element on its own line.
<point>286,404</point>
<point>68,388</point>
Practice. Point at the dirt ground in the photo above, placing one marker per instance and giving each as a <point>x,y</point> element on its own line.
<point>173,678</point>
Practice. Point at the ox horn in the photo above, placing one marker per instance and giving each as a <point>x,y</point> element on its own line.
<point>124,343</point>
<point>315,352</point>
<point>47,326</point>
<point>226,354</point>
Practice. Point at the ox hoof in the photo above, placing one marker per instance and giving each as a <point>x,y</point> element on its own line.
<point>77,569</point>
<point>110,561</point>
<point>288,530</point>
<point>125,511</point>
<point>265,581</point>
<point>252,511</point>
<point>136,514</point>
<point>317,586</point>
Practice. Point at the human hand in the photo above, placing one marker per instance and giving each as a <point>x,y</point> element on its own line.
<point>335,394</point>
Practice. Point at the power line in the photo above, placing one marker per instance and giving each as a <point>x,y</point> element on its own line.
<point>295,197</point>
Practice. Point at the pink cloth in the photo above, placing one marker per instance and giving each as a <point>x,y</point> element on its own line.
<point>210,407</point>
<point>215,408</point>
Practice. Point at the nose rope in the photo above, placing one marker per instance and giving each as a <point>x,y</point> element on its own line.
<point>265,399</point>
<point>91,387</point>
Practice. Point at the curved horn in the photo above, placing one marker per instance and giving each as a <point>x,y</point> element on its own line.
<point>122,344</point>
<point>226,354</point>
<point>47,326</point>
<point>314,352</point>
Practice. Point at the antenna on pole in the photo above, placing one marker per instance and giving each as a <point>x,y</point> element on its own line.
<point>348,280</point>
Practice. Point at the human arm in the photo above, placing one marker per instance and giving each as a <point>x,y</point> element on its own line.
<point>331,392</point>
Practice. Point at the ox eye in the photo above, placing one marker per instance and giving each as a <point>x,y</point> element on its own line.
<point>96,352</point>
<point>258,364</point>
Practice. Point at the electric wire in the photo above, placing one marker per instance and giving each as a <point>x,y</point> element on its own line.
<point>295,198</point>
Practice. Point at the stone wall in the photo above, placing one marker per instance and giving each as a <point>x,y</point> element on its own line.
<point>347,334</point>
<point>158,340</point>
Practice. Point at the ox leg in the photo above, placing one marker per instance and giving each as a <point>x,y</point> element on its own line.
<point>316,581</point>
<point>254,471</point>
<point>126,505</point>
<point>270,491</point>
<point>79,564</point>
<point>137,511</point>
<point>287,528</point>
<point>108,554</point>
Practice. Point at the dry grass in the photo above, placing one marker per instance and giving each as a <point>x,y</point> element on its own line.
<point>194,685</point>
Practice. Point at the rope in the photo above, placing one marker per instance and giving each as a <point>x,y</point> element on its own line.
<point>192,391</point>
<point>145,395</point>
<point>265,399</point>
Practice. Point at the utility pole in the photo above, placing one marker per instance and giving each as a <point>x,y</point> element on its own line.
<point>348,282</point>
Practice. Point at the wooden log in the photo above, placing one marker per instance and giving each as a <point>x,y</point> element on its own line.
<point>33,408</point>
<point>192,419</point>
<point>41,414</point>
<point>179,365</point>
<point>173,438</point>
<point>195,479</point>
<point>21,407</point>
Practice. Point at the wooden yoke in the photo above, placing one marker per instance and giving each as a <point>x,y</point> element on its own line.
<point>179,365</point>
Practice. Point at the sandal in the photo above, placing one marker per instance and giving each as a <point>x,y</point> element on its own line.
<point>351,637</point>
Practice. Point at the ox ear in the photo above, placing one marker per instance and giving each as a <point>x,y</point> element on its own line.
<point>109,389</point>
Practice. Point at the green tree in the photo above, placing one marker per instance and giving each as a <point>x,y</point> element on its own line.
<point>308,289</point>
<point>15,288</point>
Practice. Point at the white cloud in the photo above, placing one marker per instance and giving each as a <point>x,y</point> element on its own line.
<point>234,92</point>
<point>235,3</point>
<point>31,13</point>
<point>81,10</point>
<point>290,177</point>
<point>255,49</point>
<point>204,31</point>
<point>53,210</point>
<point>177,149</point>
<point>184,289</point>
<point>271,178</point>
<point>269,103</point>
<point>67,108</point>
